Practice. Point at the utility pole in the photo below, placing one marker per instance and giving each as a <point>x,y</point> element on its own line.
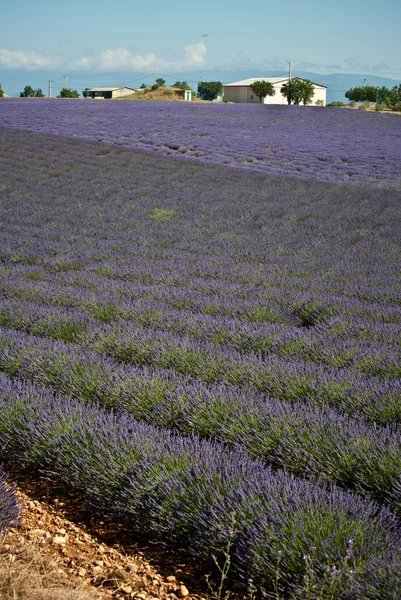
<point>49,93</point>
<point>154,75</point>
<point>65,81</point>
<point>290,69</point>
<point>289,79</point>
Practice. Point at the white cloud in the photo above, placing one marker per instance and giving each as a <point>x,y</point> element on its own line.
<point>195,54</point>
<point>83,63</point>
<point>117,59</point>
<point>122,59</point>
<point>21,59</point>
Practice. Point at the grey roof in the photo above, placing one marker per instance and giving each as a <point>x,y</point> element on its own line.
<point>109,89</point>
<point>273,80</point>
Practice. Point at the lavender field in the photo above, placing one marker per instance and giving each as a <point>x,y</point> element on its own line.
<point>206,346</point>
<point>337,145</point>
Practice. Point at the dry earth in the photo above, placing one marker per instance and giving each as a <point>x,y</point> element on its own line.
<point>62,551</point>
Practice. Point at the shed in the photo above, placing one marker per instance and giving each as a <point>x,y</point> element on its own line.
<point>108,92</point>
<point>240,91</point>
<point>184,94</point>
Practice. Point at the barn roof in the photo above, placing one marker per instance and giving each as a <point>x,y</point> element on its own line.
<point>109,89</point>
<point>273,80</point>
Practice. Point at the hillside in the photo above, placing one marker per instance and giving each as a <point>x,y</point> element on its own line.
<point>168,94</point>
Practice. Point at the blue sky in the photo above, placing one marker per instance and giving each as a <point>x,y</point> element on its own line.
<point>180,37</point>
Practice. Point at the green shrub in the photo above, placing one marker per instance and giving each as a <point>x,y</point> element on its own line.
<point>380,106</point>
<point>364,105</point>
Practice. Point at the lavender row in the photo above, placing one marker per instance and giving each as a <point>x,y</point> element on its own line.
<point>63,260</point>
<point>291,141</point>
<point>9,507</point>
<point>85,291</point>
<point>287,379</point>
<point>199,495</point>
<point>297,437</point>
<point>332,229</point>
<point>378,359</point>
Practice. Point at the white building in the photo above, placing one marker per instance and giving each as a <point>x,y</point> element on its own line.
<point>109,92</point>
<point>240,91</point>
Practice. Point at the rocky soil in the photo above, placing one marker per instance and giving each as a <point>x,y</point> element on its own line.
<point>87,554</point>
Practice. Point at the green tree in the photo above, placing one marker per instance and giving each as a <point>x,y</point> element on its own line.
<point>368,93</point>
<point>209,90</point>
<point>143,86</point>
<point>1,91</point>
<point>68,93</point>
<point>383,95</point>
<point>395,95</point>
<point>39,93</point>
<point>298,90</point>
<point>28,92</point>
<point>182,85</point>
<point>262,89</point>
<point>160,81</point>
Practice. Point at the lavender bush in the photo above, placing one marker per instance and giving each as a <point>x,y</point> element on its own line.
<point>184,490</point>
<point>257,312</point>
<point>295,436</point>
<point>9,507</point>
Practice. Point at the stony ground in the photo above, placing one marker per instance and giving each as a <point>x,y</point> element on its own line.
<point>72,550</point>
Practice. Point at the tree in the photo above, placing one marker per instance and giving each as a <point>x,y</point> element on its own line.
<point>1,91</point>
<point>182,85</point>
<point>143,86</point>
<point>68,93</point>
<point>395,95</point>
<point>298,90</point>
<point>160,81</point>
<point>370,93</point>
<point>209,90</point>
<point>366,93</point>
<point>28,92</point>
<point>262,89</point>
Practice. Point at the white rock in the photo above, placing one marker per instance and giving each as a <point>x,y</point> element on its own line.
<point>58,539</point>
<point>182,591</point>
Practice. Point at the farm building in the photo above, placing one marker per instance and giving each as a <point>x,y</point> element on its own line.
<point>240,91</point>
<point>108,92</point>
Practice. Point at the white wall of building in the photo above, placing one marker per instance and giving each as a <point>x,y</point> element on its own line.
<point>243,94</point>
